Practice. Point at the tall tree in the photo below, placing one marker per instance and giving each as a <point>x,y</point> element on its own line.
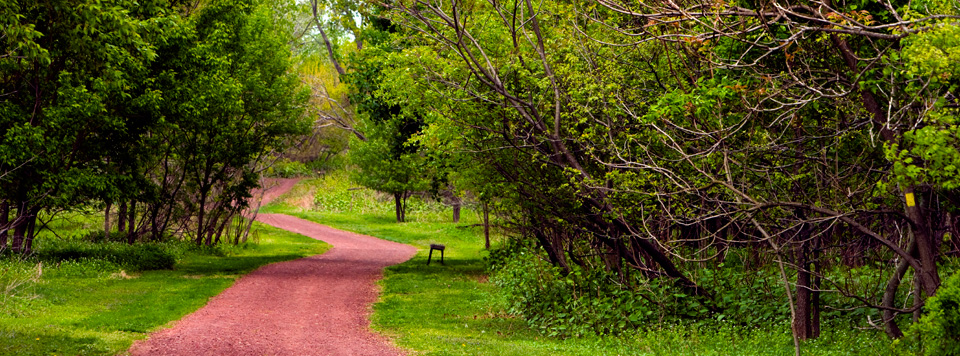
<point>66,71</point>
<point>389,160</point>
<point>231,97</point>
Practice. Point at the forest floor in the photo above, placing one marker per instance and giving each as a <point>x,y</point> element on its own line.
<point>318,305</point>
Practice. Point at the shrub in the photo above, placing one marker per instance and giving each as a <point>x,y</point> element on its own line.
<point>139,257</point>
<point>286,169</point>
<point>598,301</point>
<point>938,331</point>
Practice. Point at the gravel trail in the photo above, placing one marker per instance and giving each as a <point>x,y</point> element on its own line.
<point>317,305</point>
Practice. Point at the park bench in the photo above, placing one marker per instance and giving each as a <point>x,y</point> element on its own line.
<point>437,247</point>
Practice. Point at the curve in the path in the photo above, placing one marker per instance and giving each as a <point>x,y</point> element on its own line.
<point>317,305</point>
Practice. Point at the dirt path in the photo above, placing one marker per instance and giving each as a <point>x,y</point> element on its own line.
<point>317,305</point>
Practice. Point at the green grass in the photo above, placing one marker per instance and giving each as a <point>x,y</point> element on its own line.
<point>452,309</point>
<point>95,308</point>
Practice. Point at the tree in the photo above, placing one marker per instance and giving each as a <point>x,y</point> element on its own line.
<point>67,69</point>
<point>231,98</point>
<point>644,130</point>
<point>389,160</point>
<point>137,103</point>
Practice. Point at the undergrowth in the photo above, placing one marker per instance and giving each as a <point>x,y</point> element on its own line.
<point>597,302</point>
<point>501,303</point>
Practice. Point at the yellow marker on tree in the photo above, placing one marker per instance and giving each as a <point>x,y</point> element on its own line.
<point>910,201</point>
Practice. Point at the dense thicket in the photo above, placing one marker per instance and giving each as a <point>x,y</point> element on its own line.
<point>652,140</point>
<point>163,107</point>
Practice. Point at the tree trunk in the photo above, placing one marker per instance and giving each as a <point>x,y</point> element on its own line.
<point>326,41</point>
<point>456,209</point>
<point>815,294</point>
<point>122,216</point>
<point>4,224</point>
<point>397,200</point>
<point>31,229</point>
<point>553,253</point>
<point>889,299</point>
<point>917,299</point>
<point>486,225</point>
<point>106,222</point>
<point>19,230</point>
<point>804,322</point>
<point>201,215</point>
<point>802,325</point>
<point>131,221</point>
<point>929,278</point>
<point>155,221</point>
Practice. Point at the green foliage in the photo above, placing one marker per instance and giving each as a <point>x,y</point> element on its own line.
<point>139,257</point>
<point>68,71</point>
<point>938,332</point>
<point>336,193</point>
<point>286,168</point>
<point>454,309</point>
<point>587,302</point>
<point>929,154</point>
<point>386,161</point>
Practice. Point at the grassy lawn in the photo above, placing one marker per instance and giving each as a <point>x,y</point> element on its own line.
<point>95,308</point>
<point>452,309</point>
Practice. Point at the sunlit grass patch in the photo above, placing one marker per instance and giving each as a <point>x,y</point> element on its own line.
<point>95,307</point>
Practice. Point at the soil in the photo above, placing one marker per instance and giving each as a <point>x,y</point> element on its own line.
<point>317,305</point>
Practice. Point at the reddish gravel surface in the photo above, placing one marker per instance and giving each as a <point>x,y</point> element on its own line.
<point>317,305</point>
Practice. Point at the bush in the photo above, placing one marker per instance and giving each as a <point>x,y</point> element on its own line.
<point>598,301</point>
<point>287,169</point>
<point>139,257</point>
<point>938,332</point>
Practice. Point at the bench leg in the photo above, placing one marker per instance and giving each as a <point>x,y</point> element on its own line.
<point>441,257</point>
<point>431,256</point>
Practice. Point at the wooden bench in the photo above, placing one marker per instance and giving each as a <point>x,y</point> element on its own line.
<point>437,247</point>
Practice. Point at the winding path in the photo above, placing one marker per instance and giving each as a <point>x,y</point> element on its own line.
<point>317,305</point>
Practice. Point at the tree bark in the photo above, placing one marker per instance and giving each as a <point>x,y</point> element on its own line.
<point>19,230</point>
<point>398,203</point>
<point>403,207</point>
<point>131,221</point>
<point>553,253</point>
<point>106,221</point>
<point>815,293</point>
<point>486,225</point>
<point>926,250</point>
<point>326,41</point>
<point>122,216</point>
<point>803,323</point>
<point>31,229</point>
<point>4,224</point>
<point>201,215</point>
<point>456,209</point>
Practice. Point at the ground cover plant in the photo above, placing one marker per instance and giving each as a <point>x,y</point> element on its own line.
<point>74,298</point>
<point>460,308</point>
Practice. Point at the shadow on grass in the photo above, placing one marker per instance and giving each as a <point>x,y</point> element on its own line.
<point>31,342</point>
<point>230,264</point>
<point>457,266</point>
